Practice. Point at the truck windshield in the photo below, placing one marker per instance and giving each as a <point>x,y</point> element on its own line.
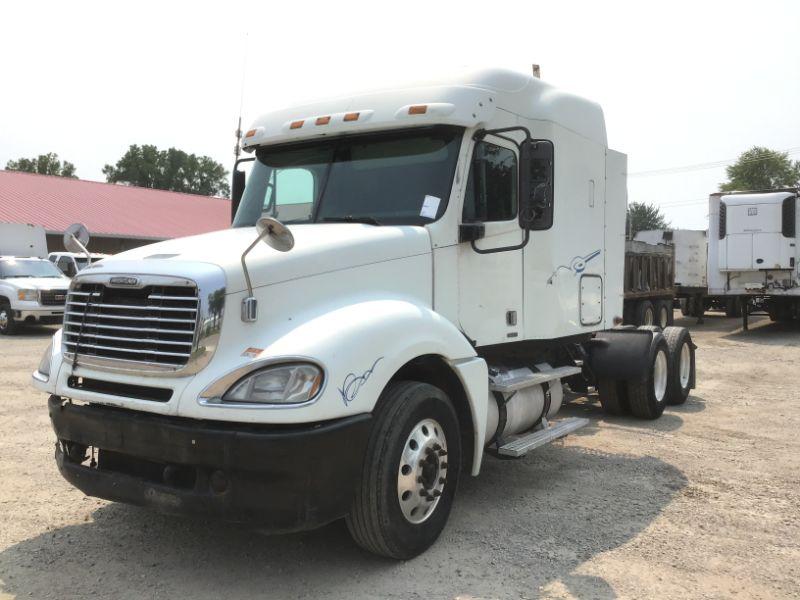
<point>398,178</point>
<point>28,268</point>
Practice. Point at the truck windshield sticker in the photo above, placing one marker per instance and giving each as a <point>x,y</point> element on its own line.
<point>352,383</point>
<point>577,265</point>
<point>430,206</point>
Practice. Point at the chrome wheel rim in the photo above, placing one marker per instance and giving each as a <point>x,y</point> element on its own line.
<point>422,473</point>
<point>3,319</point>
<point>648,317</point>
<point>685,369</point>
<point>663,317</point>
<point>660,375</point>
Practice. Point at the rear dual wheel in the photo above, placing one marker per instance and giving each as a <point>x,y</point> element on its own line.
<point>668,378</point>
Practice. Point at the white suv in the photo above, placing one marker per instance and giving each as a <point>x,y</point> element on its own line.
<point>32,290</point>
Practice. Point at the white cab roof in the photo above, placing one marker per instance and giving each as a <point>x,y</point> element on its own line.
<point>467,99</point>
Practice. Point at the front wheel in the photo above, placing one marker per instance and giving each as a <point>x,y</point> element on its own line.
<point>7,323</point>
<point>410,474</point>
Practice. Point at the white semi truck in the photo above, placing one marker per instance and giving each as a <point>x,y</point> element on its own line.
<point>410,278</point>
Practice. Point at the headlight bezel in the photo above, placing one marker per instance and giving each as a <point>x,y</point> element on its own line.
<point>28,295</point>
<point>214,394</point>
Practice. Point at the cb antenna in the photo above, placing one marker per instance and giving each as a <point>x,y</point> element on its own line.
<point>237,150</point>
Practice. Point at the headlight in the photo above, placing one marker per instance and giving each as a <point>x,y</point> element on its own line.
<point>280,384</point>
<point>28,295</point>
<point>44,364</point>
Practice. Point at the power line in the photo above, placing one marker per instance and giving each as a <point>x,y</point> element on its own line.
<point>710,165</point>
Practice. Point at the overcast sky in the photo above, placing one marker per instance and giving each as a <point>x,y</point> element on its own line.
<point>684,84</point>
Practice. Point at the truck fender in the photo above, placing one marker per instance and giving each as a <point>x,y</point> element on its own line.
<point>620,354</point>
<point>364,345</point>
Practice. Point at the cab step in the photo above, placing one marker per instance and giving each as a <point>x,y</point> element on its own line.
<point>555,430</point>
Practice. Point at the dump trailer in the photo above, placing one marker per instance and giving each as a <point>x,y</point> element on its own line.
<point>649,283</point>
<point>752,250</point>
<point>410,278</point>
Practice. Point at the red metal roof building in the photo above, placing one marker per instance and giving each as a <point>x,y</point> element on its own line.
<point>118,216</point>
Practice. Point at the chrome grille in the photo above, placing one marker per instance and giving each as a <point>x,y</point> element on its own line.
<point>154,324</point>
<point>52,297</point>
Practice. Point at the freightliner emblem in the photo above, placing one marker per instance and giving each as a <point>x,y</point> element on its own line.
<point>123,281</point>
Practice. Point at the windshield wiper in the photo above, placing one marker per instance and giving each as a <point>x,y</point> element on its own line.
<point>351,219</point>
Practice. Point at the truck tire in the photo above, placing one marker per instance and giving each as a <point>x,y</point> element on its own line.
<point>645,313</point>
<point>647,395</point>
<point>664,316</point>
<point>613,397</point>
<point>733,307</point>
<point>410,472</point>
<point>682,375</point>
<point>686,307</point>
<point>8,325</point>
<point>780,311</point>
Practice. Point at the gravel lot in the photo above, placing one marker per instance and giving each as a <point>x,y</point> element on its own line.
<point>702,503</point>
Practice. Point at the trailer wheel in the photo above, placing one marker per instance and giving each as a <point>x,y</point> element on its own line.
<point>780,311</point>
<point>410,473</point>
<point>613,397</point>
<point>7,323</point>
<point>664,313</point>
<point>647,395</point>
<point>645,313</point>
<point>682,374</point>
<point>733,308</point>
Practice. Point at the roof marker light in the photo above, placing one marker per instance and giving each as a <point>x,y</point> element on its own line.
<point>323,120</point>
<point>296,124</point>
<point>419,109</point>
<point>351,116</point>
<point>250,133</point>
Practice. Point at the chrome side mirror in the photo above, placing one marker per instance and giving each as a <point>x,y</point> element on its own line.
<point>275,235</point>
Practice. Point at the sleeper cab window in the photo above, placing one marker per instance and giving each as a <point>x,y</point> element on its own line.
<point>491,193</point>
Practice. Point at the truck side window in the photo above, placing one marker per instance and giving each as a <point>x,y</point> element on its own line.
<point>491,193</point>
<point>290,194</point>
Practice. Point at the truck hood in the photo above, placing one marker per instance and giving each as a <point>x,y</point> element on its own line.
<point>319,248</point>
<point>37,283</point>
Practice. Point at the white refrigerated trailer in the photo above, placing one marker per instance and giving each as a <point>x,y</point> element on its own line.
<point>752,250</point>
<point>438,259</point>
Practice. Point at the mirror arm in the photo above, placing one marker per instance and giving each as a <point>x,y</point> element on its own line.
<point>250,304</point>
<point>83,248</point>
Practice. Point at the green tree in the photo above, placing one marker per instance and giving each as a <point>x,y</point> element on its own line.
<point>172,169</point>
<point>44,164</point>
<point>643,216</point>
<point>762,169</point>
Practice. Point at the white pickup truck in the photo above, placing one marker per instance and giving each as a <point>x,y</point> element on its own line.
<point>411,278</point>
<point>32,290</point>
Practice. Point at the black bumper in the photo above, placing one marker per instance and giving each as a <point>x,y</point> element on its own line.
<point>280,478</point>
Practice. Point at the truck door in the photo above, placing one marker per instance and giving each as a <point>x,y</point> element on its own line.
<point>490,283</point>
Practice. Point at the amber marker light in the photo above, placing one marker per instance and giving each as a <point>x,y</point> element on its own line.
<point>250,133</point>
<point>419,109</point>
<point>296,124</point>
<point>323,120</point>
<point>352,116</point>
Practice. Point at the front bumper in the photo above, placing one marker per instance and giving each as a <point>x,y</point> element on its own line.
<point>282,478</point>
<point>47,316</point>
